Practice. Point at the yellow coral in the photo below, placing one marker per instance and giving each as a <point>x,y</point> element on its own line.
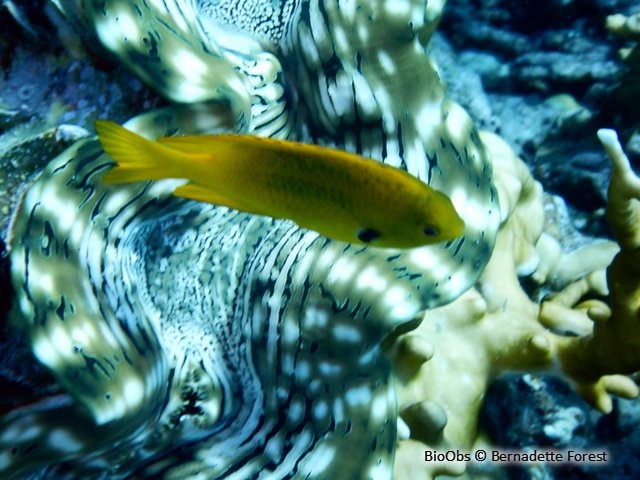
<point>444,366</point>
<point>612,348</point>
<point>489,328</point>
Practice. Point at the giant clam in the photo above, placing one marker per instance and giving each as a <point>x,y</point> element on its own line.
<point>198,341</point>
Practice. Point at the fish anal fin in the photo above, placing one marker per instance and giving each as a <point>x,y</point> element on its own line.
<point>197,192</point>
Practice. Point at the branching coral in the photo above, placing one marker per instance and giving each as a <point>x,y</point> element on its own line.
<point>612,348</point>
<point>468,341</point>
<point>444,366</point>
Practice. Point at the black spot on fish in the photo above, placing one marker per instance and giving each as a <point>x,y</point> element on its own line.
<point>367,235</point>
<point>430,231</point>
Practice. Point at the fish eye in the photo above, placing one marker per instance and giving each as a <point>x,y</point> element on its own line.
<point>366,235</point>
<point>430,231</point>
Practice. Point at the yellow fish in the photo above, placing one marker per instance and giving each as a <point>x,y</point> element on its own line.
<point>338,194</point>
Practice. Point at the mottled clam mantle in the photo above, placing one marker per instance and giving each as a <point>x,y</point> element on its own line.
<point>196,340</point>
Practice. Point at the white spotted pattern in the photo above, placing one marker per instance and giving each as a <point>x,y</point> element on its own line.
<point>207,343</point>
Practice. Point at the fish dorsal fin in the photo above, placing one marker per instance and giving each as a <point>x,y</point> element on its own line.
<point>198,144</point>
<point>193,191</point>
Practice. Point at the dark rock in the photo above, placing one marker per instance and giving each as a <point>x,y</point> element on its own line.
<point>464,83</point>
<point>557,46</point>
<point>580,177</point>
<point>538,411</point>
<point>470,26</point>
<point>543,412</point>
<point>558,71</point>
<point>534,59</point>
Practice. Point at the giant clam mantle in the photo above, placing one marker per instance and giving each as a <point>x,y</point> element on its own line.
<point>196,340</point>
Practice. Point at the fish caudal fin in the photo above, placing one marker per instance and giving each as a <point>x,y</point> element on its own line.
<point>137,158</point>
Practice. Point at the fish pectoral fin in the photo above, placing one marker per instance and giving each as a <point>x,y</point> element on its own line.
<point>339,224</point>
<point>193,191</point>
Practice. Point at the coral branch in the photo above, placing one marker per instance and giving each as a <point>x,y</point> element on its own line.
<point>623,209</point>
<point>444,366</point>
<point>614,346</point>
